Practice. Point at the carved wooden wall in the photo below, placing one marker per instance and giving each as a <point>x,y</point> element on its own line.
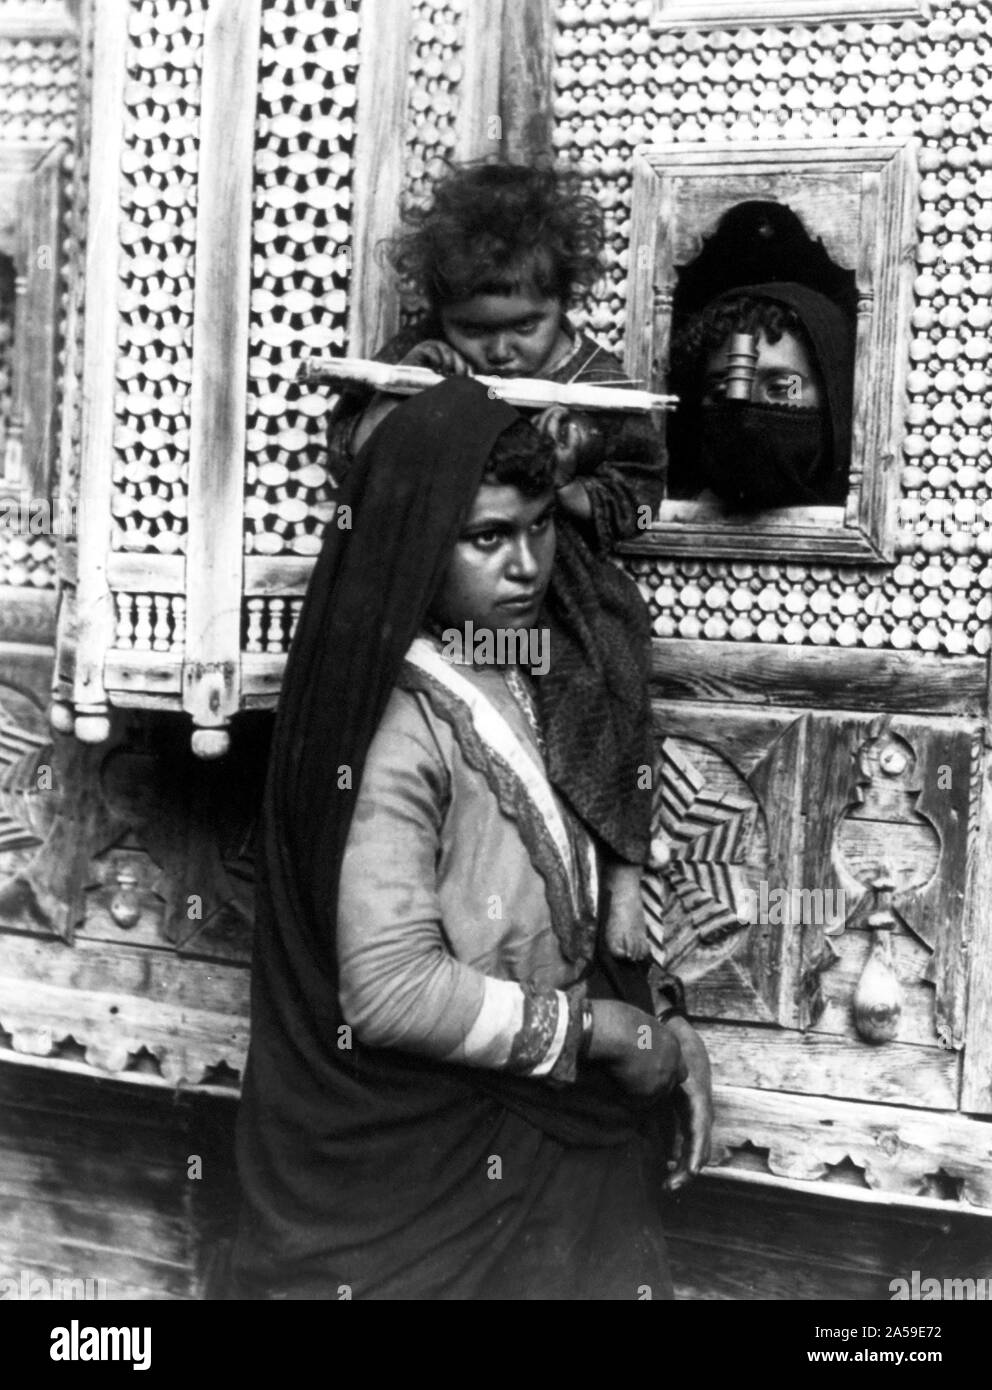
<point>838,709</point>
<point>825,720</point>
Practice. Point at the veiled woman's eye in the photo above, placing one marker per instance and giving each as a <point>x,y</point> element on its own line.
<point>786,389</point>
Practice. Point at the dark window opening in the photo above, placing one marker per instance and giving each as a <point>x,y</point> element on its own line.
<point>762,355</point>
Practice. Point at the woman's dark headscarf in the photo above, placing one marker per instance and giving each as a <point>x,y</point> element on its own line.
<point>830,337</point>
<point>407,499</point>
<point>328,1126</point>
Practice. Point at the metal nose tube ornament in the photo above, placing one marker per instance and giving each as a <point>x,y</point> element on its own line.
<point>742,366</point>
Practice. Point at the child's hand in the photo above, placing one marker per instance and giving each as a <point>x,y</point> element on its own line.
<point>438,356</point>
<point>556,424</point>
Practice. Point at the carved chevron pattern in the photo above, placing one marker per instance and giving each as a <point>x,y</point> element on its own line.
<point>698,840</point>
<point>21,753</point>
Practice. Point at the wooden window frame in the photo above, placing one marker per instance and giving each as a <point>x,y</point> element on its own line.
<point>26,19</point>
<point>865,528</point>
<point>734,14</point>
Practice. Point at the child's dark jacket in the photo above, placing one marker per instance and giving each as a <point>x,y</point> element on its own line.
<point>629,475</point>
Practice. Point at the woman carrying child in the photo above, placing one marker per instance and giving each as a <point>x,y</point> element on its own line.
<point>453,1090</point>
<point>497,257</point>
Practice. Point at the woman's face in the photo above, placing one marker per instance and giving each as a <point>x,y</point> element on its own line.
<point>501,563</point>
<point>506,334</point>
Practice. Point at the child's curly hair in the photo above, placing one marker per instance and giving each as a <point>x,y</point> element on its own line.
<point>492,228</point>
<point>708,330</point>
<point>522,458</point>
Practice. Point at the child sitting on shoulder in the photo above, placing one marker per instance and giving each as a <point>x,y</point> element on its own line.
<point>496,258</point>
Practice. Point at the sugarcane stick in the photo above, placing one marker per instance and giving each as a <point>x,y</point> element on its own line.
<point>529,393</point>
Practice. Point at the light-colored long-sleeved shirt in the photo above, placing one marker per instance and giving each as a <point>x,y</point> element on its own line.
<point>447,940</point>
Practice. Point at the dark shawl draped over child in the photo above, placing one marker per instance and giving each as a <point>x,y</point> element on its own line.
<point>355,1161</point>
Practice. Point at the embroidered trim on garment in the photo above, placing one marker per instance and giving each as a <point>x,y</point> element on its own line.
<point>497,735</point>
<point>537,1045</point>
<point>523,796</point>
<point>521,1029</point>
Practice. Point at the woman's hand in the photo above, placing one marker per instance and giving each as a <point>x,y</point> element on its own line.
<point>438,356</point>
<point>642,1054</point>
<point>693,1102</point>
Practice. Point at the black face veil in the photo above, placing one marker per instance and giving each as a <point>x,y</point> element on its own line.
<point>831,336</point>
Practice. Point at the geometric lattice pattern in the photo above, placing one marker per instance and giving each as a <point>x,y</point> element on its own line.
<point>158,235</point>
<point>928,603</point>
<point>304,156</point>
<point>434,91</point>
<point>618,85</point>
<point>38,89</point>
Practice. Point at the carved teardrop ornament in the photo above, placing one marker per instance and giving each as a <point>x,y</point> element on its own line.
<point>878,997</point>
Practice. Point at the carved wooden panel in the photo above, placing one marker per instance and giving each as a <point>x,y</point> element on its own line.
<point>779,835</point>
<point>719,834</point>
<point>897,1149</point>
<point>126,894</point>
<point>25,770</point>
<point>891,798</point>
<point>125,1011</point>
